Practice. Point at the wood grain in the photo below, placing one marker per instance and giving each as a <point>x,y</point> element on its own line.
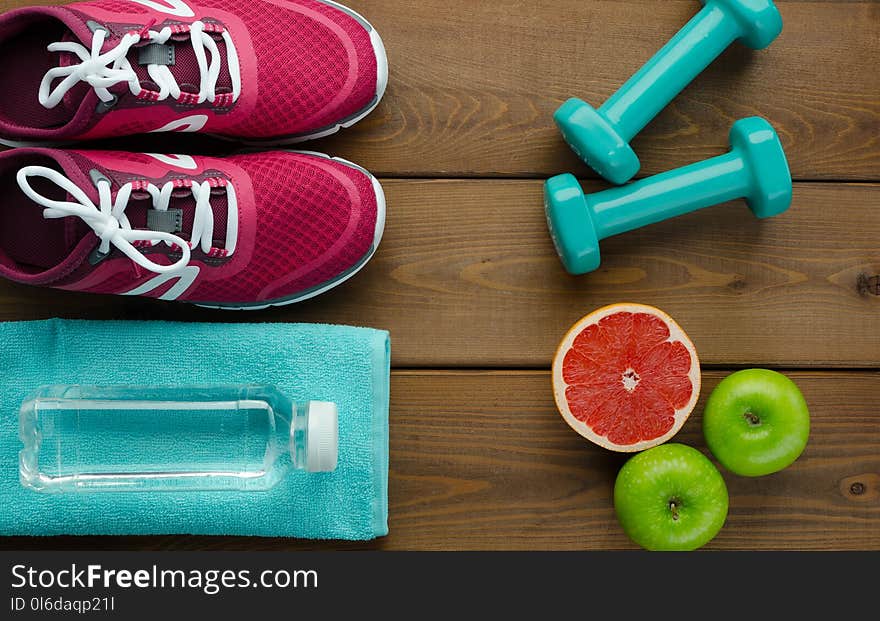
<point>467,276</point>
<point>481,460</point>
<point>474,86</point>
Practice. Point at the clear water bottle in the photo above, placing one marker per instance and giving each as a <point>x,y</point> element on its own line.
<point>123,438</point>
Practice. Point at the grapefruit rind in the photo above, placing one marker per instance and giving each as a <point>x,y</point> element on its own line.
<point>676,333</point>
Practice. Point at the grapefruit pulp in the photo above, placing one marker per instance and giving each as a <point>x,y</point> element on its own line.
<point>626,377</point>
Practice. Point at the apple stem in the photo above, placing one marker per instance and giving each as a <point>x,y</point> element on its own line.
<point>753,420</point>
<point>673,506</point>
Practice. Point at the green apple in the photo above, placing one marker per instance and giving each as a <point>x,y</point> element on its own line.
<point>670,497</point>
<point>756,422</point>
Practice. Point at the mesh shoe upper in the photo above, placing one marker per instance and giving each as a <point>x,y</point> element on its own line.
<point>283,225</point>
<point>304,66</point>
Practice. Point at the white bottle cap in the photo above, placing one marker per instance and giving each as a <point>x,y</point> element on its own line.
<point>322,444</point>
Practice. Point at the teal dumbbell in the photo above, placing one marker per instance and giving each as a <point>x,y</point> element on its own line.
<point>754,169</point>
<point>601,137</point>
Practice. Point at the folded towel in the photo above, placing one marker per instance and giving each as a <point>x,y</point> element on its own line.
<point>349,366</point>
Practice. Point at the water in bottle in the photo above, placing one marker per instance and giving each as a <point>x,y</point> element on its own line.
<point>123,438</point>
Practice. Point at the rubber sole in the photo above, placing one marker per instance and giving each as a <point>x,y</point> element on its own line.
<point>322,288</point>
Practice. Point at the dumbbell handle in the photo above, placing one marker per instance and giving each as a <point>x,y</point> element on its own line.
<point>674,193</point>
<point>671,69</point>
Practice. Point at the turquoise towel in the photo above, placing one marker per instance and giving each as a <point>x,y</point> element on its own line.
<point>349,366</point>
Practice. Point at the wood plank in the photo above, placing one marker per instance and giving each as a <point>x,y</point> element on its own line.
<point>474,86</point>
<point>467,275</point>
<point>481,460</point>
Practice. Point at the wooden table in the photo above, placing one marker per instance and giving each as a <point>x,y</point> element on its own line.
<point>468,283</point>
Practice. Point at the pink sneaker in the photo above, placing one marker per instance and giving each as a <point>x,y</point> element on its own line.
<point>242,232</point>
<point>261,71</point>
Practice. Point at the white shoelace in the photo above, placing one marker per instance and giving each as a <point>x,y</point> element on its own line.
<point>111,225</point>
<point>112,67</point>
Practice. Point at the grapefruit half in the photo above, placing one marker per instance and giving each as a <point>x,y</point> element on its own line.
<point>626,377</point>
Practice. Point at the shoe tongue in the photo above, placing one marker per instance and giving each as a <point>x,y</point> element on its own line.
<point>139,207</point>
<point>78,169</point>
<point>185,68</point>
<point>183,204</point>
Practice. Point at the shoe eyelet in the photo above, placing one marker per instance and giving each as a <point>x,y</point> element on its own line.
<point>97,177</point>
<point>97,256</point>
<point>105,106</point>
<point>95,26</point>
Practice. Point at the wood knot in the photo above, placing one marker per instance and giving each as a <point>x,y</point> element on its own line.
<point>862,488</point>
<point>737,284</point>
<point>868,284</point>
